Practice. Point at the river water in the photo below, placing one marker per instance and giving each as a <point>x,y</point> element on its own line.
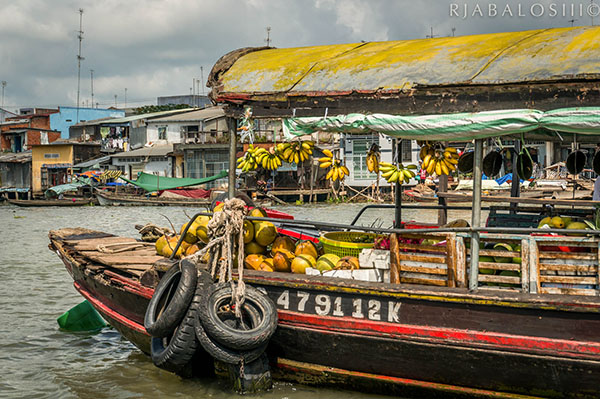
<point>40,361</point>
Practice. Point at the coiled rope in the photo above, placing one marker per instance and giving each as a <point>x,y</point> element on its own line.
<point>226,233</point>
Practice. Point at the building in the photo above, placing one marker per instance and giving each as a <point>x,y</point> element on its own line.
<point>52,164</point>
<point>68,116</point>
<point>192,100</point>
<point>157,160</point>
<point>15,174</point>
<point>21,132</point>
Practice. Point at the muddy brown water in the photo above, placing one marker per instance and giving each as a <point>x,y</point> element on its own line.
<point>40,361</point>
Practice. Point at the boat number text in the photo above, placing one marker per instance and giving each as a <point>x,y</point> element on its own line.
<point>326,305</point>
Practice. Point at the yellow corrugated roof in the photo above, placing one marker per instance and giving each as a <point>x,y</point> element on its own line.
<point>481,59</point>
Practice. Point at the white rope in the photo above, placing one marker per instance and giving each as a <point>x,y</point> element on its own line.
<point>226,233</point>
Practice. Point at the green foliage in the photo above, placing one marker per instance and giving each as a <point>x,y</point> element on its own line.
<point>146,109</point>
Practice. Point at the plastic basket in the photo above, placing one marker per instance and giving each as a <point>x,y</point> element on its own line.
<point>340,243</point>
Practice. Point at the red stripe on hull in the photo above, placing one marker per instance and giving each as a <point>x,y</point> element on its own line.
<point>466,337</point>
<point>103,309</point>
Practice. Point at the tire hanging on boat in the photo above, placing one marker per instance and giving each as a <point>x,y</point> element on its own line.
<point>213,348</point>
<point>260,331</point>
<point>171,299</point>
<point>175,353</point>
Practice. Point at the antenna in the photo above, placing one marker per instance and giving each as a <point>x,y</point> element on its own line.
<point>268,39</point>
<point>431,36</point>
<point>3,83</point>
<point>453,30</point>
<point>79,59</point>
<point>115,101</point>
<point>92,84</point>
<point>572,20</point>
<point>126,97</point>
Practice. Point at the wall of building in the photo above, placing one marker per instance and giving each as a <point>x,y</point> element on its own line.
<point>15,174</point>
<point>173,132</point>
<point>46,155</point>
<point>67,117</point>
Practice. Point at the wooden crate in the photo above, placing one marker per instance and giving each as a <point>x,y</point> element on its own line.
<point>417,263</point>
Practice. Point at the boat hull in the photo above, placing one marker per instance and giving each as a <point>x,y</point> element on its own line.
<point>395,339</point>
<point>114,200</point>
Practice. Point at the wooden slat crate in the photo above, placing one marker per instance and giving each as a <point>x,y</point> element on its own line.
<point>425,264</point>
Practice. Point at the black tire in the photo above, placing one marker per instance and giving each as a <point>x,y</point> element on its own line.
<point>171,299</point>
<point>222,353</point>
<point>175,353</point>
<point>230,336</point>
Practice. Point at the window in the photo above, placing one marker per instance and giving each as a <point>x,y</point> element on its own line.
<point>406,148</point>
<point>357,161</point>
<point>162,133</point>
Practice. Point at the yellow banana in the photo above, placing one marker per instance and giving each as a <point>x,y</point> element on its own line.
<point>438,168</point>
<point>449,165</point>
<point>324,165</point>
<point>335,174</point>
<point>345,169</point>
<point>387,174</point>
<point>426,161</point>
<point>328,153</point>
<point>452,161</point>
<point>325,159</point>
<point>329,174</point>
<point>430,167</point>
<point>451,149</point>
<point>444,168</point>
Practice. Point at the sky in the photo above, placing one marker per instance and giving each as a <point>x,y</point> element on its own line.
<point>142,49</point>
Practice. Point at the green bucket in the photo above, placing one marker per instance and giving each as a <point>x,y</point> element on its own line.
<point>82,317</point>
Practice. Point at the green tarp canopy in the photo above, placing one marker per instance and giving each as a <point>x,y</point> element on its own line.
<point>155,183</point>
<point>452,127</point>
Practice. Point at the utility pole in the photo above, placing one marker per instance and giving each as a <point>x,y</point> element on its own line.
<point>79,59</point>
<point>572,21</point>
<point>126,97</point>
<point>268,39</point>
<point>3,83</point>
<point>115,101</point>
<point>198,92</point>
<point>92,83</point>
<point>202,79</point>
<point>453,30</point>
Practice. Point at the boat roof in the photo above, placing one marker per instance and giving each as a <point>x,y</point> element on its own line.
<point>495,58</point>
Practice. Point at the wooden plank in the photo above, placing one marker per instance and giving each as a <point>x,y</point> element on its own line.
<point>520,200</point>
<point>104,240</point>
<point>568,291</point>
<point>489,278</point>
<point>534,269</point>
<point>569,280</point>
<point>499,266</point>
<point>567,255</point>
<point>425,270</point>
<point>124,259</point>
<point>451,260</point>
<point>420,247</point>
<point>499,253</point>
<point>136,252</point>
<point>143,266</point>
<point>461,263</point>
<point>568,268</point>
<point>402,256</point>
<point>114,247</point>
<point>394,259</point>
<point>410,280</point>
<point>525,265</point>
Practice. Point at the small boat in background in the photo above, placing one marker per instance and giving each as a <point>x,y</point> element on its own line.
<point>54,202</point>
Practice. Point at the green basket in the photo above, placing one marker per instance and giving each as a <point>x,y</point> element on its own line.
<point>340,243</point>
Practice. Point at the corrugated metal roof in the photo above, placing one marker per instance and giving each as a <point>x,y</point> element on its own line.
<point>154,151</point>
<point>16,157</point>
<point>548,54</point>
<point>92,162</point>
<point>150,115</point>
<point>199,115</point>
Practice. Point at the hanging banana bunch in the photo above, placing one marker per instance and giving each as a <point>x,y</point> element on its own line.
<point>397,174</point>
<point>373,157</point>
<point>249,160</point>
<point>337,171</point>
<point>268,159</point>
<point>327,160</point>
<point>437,159</point>
<point>295,151</point>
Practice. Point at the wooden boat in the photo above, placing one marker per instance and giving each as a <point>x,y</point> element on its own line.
<point>106,198</point>
<point>54,202</point>
<point>423,331</point>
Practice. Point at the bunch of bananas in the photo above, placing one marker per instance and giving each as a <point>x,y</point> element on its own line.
<point>373,157</point>
<point>268,159</point>
<point>338,171</point>
<point>249,161</point>
<point>296,151</point>
<point>397,174</point>
<point>438,159</point>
